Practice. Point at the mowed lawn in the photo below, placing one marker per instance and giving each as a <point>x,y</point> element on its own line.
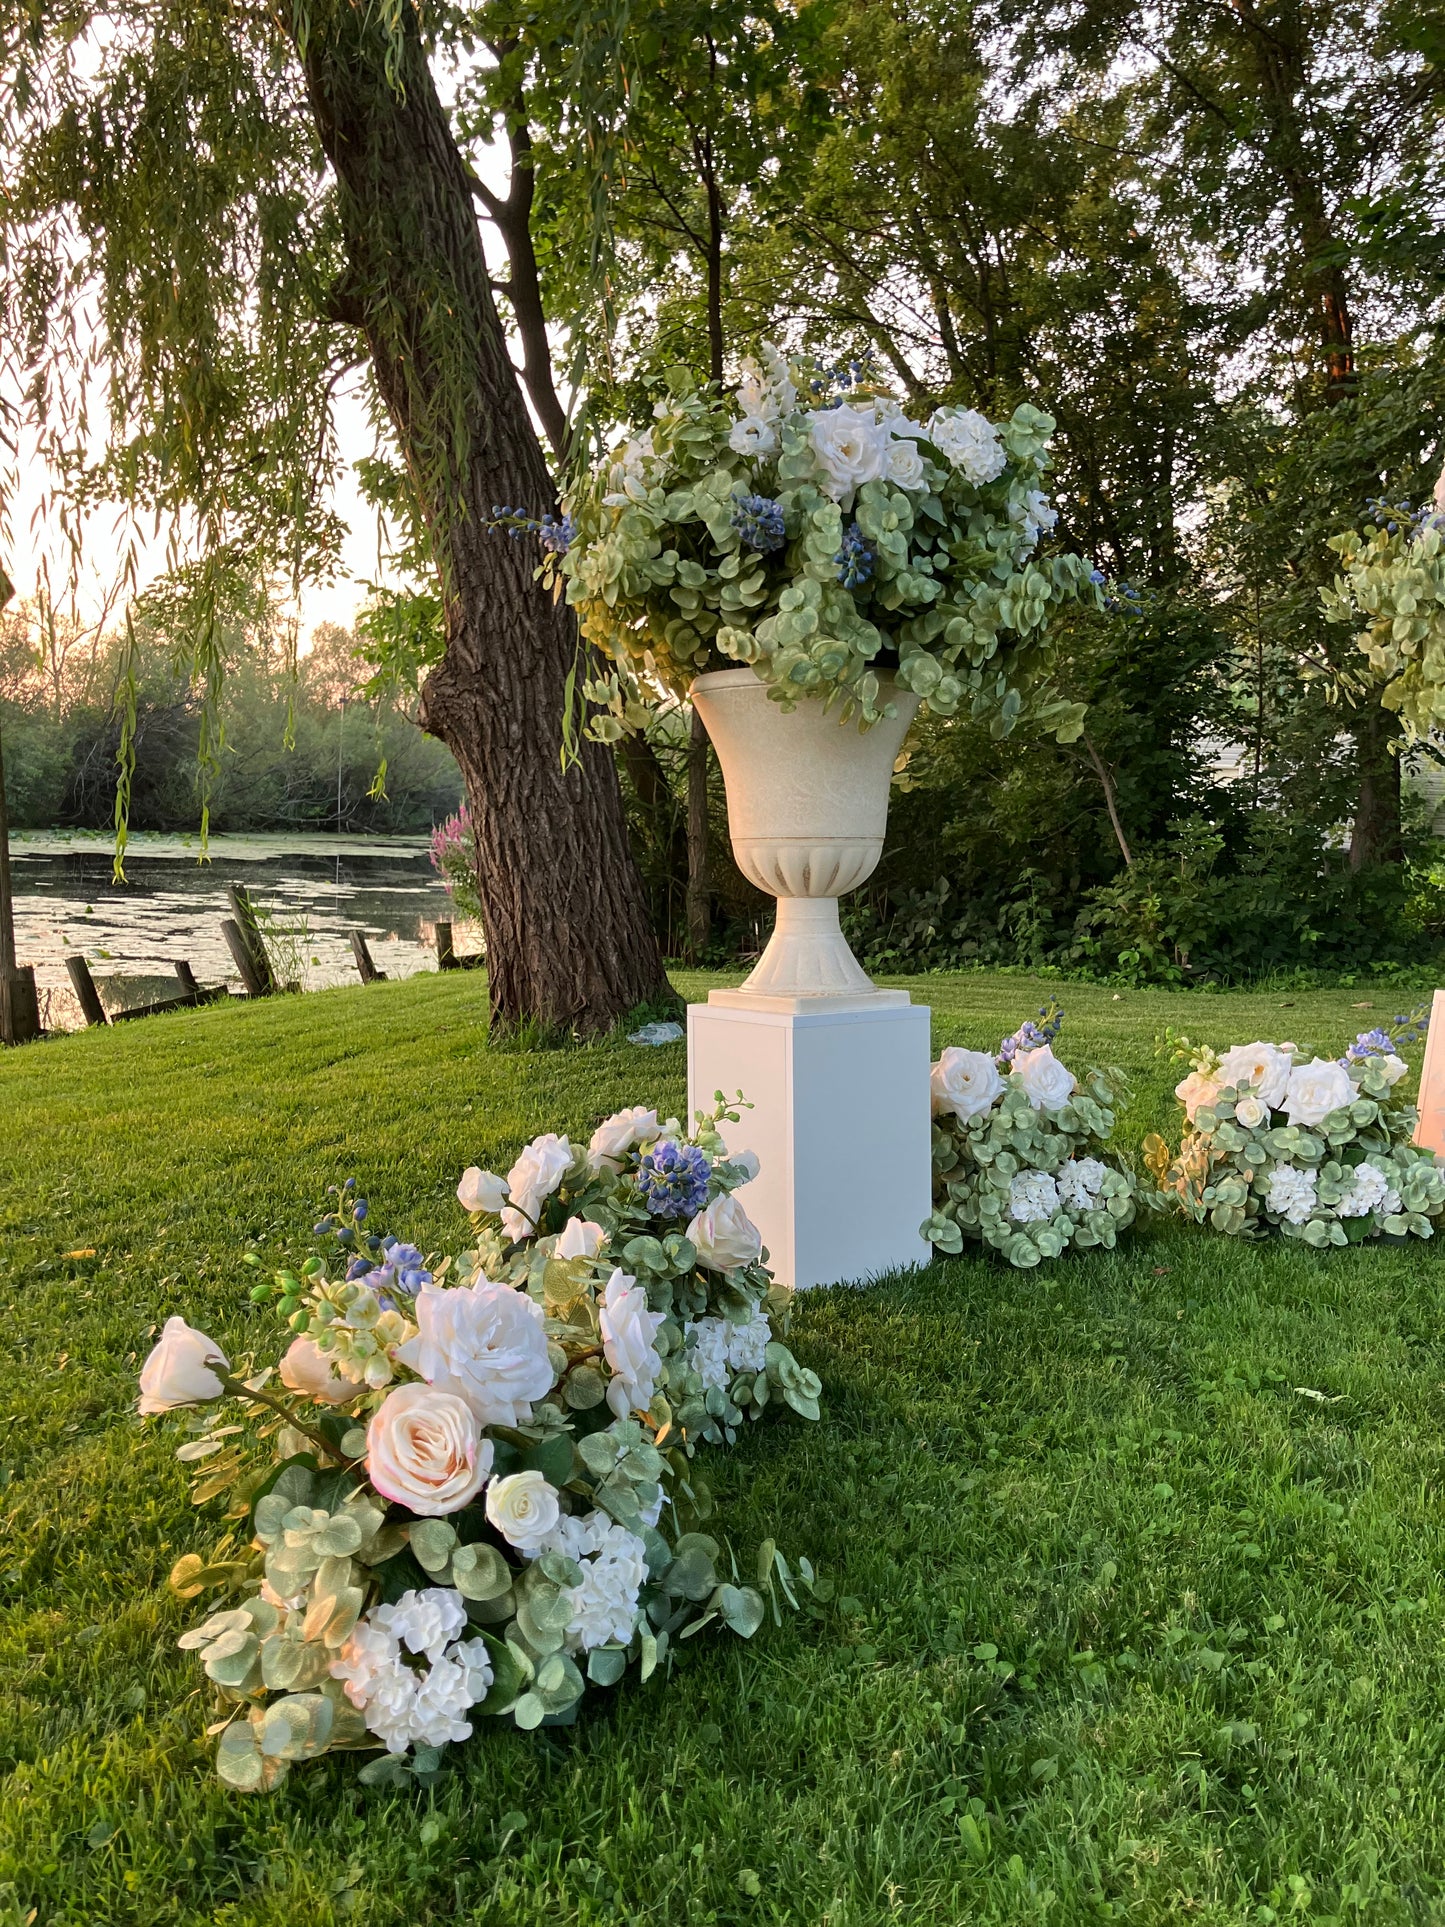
<point>1139,1614</point>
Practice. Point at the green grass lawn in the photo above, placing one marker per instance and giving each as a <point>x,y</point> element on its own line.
<point>1138,1559</point>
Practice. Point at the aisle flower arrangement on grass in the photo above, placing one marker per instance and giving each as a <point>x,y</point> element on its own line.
<point>469,1486</point>
<point>1021,1150</point>
<point>808,526</point>
<point>1318,1149</point>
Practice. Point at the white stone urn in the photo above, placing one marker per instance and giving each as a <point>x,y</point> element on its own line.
<point>807,808</point>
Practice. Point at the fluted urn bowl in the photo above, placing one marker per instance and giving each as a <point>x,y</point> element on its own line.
<point>807,810</point>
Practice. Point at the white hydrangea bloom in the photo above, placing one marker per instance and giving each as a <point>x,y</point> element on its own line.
<point>748,1343</point>
<point>1291,1193</point>
<point>614,1567</point>
<point>970,441</point>
<point>401,1705</point>
<point>717,1347</point>
<point>1033,1197</point>
<point>1365,1193</point>
<point>707,1346</point>
<point>1034,514</point>
<point>1080,1182</point>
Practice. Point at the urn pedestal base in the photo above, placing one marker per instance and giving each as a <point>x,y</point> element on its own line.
<point>840,1124</point>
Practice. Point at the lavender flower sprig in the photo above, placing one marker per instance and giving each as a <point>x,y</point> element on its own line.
<point>1032,1036</point>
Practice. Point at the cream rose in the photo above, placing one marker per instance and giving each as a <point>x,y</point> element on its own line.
<point>615,1136</point>
<point>532,1180</point>
<point>424,1449</point>
<point>1263,1066</point>
<point>579,1238</point>
<point>1043,1079</point>
<point>1315,1089</point>
<point>1251,1112</point>
<point>1196,1093</point>
<point>1394,1068</point>
<point>628,1330</point>
<point>313,1373</point>
<point>725,1235</point>
<point>850,446</point>
<point>524,1508</point>
<point>746,1161</point>
<point>481,1190</point>
<point>176,1372</point>
<point>964,1083</point>
<point>905,463</point>
<point>484,1343</point>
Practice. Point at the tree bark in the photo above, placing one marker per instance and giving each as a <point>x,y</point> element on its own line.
<point>1376,836</point>
<point>569,941</point>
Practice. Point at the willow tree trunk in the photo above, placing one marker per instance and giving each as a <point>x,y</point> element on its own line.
<point>569,941</point>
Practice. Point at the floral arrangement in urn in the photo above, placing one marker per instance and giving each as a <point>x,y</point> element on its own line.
<point>809,527</point>
<point>1392,586</point>
<point>468,1487</point>
<point>1020,1150</point>
<point>1315,1148</point>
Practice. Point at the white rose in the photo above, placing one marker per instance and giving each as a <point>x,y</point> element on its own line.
<point>176,1374</point>
<point>628,1330</point>
<point>1043,1079</point>
<point>725,1235</point>
<point>481,1190</point>
<point>746,1161</point>
<point>754,437</point>
<point>1251,1112</point>
<point>1265,1067</point>
<point>1315,1089</point>
<point>484,1343</point>
<point>615,1136</point>
<point>424,1450</point>
<point>970,441</point>
<point>1196,1092</point>
<point>579,1238</point>
<point>964,1083</point>
<point>850,446</point>
<point>313,1373</point>
<point>532,1180</point>
<point>753,398</point>
<point>524,1509</point>
<point>1394,1068</point>
<point>905,465</point>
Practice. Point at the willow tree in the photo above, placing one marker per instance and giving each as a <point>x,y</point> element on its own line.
<point>213,212</point>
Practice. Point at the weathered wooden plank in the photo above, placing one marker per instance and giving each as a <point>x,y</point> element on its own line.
<point>19,1006</point>
<point>446,955</point>
<point>83,984</point>
<point>249,928</point>
<point>364,963</point>
<point>245,962</point>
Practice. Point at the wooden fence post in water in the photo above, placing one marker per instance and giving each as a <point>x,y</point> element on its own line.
<point>369,972</point>
<point>248,929</point>
<point>446,954</point>
<point>19,1004</point>
<point>186,978</point>
<point>87,996</point>
<point>244,960</point>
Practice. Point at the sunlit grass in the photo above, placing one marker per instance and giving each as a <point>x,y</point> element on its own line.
<point>1139,1614</point>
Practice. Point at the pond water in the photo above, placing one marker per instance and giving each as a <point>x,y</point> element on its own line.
<point>312,892</point>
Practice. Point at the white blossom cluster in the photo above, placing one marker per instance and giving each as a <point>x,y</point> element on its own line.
<point>614,1567</point>
<point>1033,1197</point>
<point>402,1703</point>
<point>1291,1193</point>
<point>1079,1183</point>
<point>1371,1191</point>
<point>717,1347</point>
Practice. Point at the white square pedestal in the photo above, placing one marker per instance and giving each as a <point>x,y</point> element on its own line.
<point>840,1124</point>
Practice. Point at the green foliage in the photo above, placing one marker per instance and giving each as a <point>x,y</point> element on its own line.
<point>1393,580</point>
